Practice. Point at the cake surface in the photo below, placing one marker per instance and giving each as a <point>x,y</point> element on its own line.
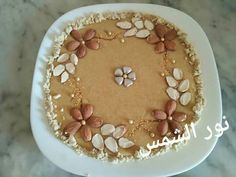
<point>118,81</point>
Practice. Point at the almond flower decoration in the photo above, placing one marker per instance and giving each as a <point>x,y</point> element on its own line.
<point>169,119</point>
<point>141,28</point>
<point>163,38</point>
<point>83,120</point>
<point>81,43</point>
<point>125,76</point>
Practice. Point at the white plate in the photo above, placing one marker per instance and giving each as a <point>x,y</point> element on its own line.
<point>168,164</point>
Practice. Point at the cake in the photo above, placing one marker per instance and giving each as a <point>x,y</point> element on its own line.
<point>117,81</point>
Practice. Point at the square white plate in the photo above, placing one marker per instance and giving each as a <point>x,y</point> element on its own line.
<point>167,164</point>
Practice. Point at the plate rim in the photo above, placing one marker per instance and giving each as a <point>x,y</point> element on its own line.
<point>107,5</point>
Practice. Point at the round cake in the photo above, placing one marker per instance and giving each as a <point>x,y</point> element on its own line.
<point>119,81</point>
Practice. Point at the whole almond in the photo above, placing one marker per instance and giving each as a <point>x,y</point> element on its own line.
<point>92,44</point>
<point>170,107</point>
<point>86,133</point>
<point>89,34</point>
<point>72,45</point>
<point>160,47</point>
<point>160,115</point>
<point>82,50</point>
<point>94,122</point>
<point>170,35</point>
<point>175,126</point>
<point>119,131</point>
<point>162,127</point>
<point>86,110</point>
<point>161,30</point>
<point>71,128</point>
<point>76,114</point>
<point>170,45</point>
<point>153,38</point>
<point>179,116</point>
<point>76,35</point>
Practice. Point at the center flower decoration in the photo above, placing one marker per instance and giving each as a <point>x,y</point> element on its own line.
<point>169,118</point>
<point>81,43</point>
<point>84,119</point>
<point>125,76</point>
<point>163,38</point>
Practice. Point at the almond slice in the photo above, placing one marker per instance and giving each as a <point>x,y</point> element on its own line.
<point>149,25</point>
<point>171,81</point>
<point>58,70</point>
<point>142,33</point>
<point>124,25</point>
<point>134,19</point>
<point>127,69</point>
<point>119,80</point>
<point>139,24</point>
<point>131,32</point>
<point>184,85</point>
<point>70,68</point>
<point>185,98</point>
<point>118,72</point>
<point>63,58</point>
<point>98,142</point>
<point>119,131</point>
<point>132,76</point>
<point>125,143</point>
<point>172,93</point>
<point>107,129</point>
<point>128,82</point>
<point>64,77</point>
<point>111,144</point>
<point>74,59</point>
<point>177,73</point>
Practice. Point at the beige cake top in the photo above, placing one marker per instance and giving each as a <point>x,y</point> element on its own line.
<point>118,81</point>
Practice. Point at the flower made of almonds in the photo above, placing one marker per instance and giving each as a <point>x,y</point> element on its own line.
<point>81,43</point>
<point>141,28</point>
<point>163,38</point>
<point>125,76</point>
<point>170,119</point>
<point>113,138</point>
<point>83,120</point>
